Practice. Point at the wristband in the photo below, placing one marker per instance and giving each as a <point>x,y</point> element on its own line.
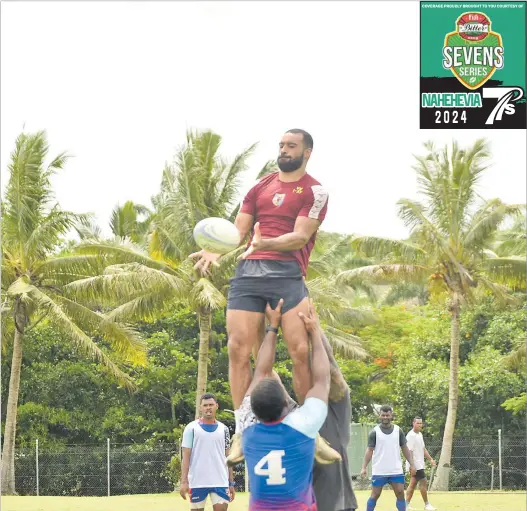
<point>232,483</point>
<point>272,329</point>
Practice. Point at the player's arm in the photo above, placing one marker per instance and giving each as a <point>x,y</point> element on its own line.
<point>244,223</point>
<point>232,490</point>
<point>372,440</point>
<point>186,445</point>
<point>303,231</point>
<point>406,451</point>
<point>266,355</point>
<point>320,369</point>
<point>308,221</point>
<point>336,375</point>
<point>429,458</point>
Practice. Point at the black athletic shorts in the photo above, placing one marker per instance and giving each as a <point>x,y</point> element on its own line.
<point>261,281</point>
<point>420,474</point>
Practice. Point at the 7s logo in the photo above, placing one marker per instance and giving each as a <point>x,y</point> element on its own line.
<point>506,97</point>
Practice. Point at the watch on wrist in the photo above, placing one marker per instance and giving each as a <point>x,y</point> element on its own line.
<point>271,329</point>
<point>232,483</point>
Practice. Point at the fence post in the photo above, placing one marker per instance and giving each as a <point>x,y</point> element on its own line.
<point>36,463</point>
<point>246,477</point>
<point>108,461</point>
<point>499,458</point>
<point>492,477</point>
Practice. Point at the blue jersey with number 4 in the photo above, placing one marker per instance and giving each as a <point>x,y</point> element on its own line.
<point>280,459</point>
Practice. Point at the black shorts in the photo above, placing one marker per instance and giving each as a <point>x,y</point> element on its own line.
<point>261,281</point>
<point>420,474</point>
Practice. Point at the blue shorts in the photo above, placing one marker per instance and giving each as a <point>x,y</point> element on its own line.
<point>382,480</point>
<point>198,496</point>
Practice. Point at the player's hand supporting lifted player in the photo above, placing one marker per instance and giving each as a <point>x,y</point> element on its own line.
<point>274,316</point>
<point>312,322</point>
<point>256,242</point>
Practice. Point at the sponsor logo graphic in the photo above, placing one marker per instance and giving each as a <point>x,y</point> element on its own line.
<point>278,199</point>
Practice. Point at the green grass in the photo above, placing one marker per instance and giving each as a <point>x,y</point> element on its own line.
<point>173,502</point>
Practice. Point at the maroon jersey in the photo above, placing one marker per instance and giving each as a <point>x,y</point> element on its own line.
<point>277,205</point>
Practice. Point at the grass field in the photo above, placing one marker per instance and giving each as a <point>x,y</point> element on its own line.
<point>172,502</point>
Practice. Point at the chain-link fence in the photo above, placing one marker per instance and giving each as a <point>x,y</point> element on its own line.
<point>94,470</point>
<point>477,465</point>
<point>116,469</point>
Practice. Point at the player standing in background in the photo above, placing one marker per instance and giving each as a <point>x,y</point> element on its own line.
<point>284,211</point>
<point>416,444</point>
<point>203,469</point>
<point>332,483</point>
<point>384,444</point>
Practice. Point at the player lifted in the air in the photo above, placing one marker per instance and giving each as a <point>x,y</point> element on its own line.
<point>283,211</point>
<point>280,448</point>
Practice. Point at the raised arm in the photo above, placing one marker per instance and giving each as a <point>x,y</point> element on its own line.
<point>266,355</point>
<point>320,366</point>
<point>338,383</point>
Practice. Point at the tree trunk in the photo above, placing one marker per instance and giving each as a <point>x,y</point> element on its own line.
<point>205,325</point>
<point>441,481</point>
<point>173,410</point>
<point>8,453</point>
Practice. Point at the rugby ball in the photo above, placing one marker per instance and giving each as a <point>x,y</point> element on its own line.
<point>216,235</point>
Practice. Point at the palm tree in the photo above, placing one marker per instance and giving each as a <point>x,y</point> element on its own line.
<point>143,283</point>
<point>449,234</point>
<point>33,279</point>
<point>131,221</point>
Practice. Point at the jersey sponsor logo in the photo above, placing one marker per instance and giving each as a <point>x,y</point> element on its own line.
<point>278,199</point>
<point>298,190</point>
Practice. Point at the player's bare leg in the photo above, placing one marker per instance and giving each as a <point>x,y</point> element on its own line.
<point>296,338</point>
<point>423,487</point>
<point>374,497</point>
<point>245,333</point>
<point>220,507</point>
<point>410,489</point>
<point>398,489</point>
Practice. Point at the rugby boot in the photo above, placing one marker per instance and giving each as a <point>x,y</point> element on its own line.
<point>236,453</point>
<point>324,453</point>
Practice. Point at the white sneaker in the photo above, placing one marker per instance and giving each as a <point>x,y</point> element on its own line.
<point>429,507</point>
<point>409,508</point>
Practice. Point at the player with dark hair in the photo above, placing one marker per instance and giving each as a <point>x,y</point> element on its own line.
<point>280,448</point>
<point>204,471</point>
<point>384,445</point>
<point>283,211</point>
<point>416,444</point>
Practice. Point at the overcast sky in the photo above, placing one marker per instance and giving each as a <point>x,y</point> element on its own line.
<point>118,84</point>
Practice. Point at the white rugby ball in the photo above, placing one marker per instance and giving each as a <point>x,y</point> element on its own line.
<point>216,235</point>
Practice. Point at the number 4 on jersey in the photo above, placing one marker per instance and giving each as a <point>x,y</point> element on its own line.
<point>274,471</point>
